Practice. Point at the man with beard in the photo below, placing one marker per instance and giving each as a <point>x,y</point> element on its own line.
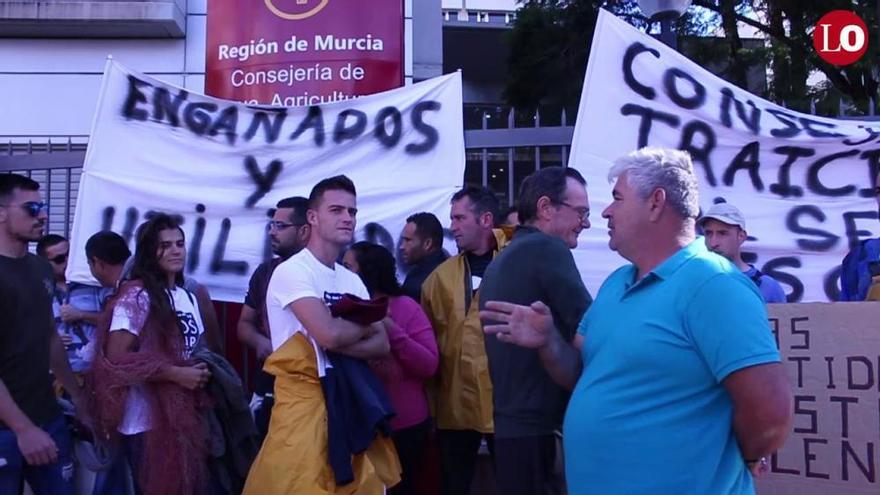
<point>34,441</point>
<point>289,233</point>
<point>421,248</point>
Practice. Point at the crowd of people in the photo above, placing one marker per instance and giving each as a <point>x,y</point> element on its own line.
<point>499,346</point>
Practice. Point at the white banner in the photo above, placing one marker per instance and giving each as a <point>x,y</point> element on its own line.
<point>222,166</point>
<point>804,183</point>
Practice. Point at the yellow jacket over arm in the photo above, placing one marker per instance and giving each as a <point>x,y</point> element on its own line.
<point>293,459</point>
<point>461,392</point>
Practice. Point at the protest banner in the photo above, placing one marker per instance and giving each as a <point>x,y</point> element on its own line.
<point>221,166</point>
<point>804,183</point>
<point>832,354</point>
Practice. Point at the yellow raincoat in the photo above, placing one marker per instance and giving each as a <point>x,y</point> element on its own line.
<point>874,291</point>
<point>461,392</point>
<point>293,459</point>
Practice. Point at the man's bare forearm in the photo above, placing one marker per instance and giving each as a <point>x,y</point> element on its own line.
<point>561,360</point>
<point>89,317</point>
<point>371,347</point>
<point>755,443</point>
<point>763,408</point>
<point>249,334</point>
<point>346,333</point>
<point>11,415</point>
<point>61,368</point>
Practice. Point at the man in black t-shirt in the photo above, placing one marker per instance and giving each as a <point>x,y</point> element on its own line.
<point>537,266</point>
<point>289,233</point>
<point>34,441</point>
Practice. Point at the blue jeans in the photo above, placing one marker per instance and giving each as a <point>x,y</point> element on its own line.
<point>114,479</point>
<point>52,479</point>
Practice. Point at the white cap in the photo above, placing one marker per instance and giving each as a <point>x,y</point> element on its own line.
<point>725,213</point>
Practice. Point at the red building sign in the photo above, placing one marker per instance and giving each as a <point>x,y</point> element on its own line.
<point>303,52</point>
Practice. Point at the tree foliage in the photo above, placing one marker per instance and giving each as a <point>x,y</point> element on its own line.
<point>550,43</point>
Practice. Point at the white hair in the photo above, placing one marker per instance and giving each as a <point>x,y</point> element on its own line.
<point>672,170</point>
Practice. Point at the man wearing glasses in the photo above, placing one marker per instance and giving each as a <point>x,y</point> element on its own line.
<point>536,267</point>
<point>289,233</point>
<point>34,441</point>
<point>75,306</point>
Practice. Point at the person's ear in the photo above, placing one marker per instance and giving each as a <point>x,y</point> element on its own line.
<point>487,220</point>
<point>656,203</point>
<point>543,208</point>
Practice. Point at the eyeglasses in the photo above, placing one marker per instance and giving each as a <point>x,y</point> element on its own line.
<point>582,212</point>
<point>61,258</point>
<point>32,207</point>
<point>278,225</point>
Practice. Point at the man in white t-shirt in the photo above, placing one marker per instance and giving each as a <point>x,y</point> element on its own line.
<point>302,287</point>
<point>293,458</point>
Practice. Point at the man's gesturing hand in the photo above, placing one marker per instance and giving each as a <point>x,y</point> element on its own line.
<point>525,326</point>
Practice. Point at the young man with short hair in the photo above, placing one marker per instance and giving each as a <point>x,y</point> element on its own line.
<point>724,228</point>
<point>294,456</point>
<point>75,306</point>
<point>289,233</point>
<point>34,441</point>
<point>421,248</point>
<point>106,254</point>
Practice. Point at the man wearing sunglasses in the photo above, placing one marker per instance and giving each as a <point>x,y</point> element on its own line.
<point>34,441</point>
<point>75,306</point>
<point>288,232</point>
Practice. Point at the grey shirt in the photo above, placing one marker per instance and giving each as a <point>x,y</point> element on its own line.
<point>533,267</point>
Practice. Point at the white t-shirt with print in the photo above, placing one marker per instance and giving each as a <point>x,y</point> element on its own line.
<point>301,276</point>
<point>189,320</point>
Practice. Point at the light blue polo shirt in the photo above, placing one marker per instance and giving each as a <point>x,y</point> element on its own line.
<point>649,414</point>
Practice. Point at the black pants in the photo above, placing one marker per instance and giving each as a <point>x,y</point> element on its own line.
<point>458,458</point>
<point>529,466</point>
<point>410,445</point>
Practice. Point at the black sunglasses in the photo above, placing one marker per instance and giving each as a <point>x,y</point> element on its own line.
<point>61,258</point>
<point>32,207</point>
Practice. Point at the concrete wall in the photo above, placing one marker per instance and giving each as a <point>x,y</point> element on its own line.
<point>497,5</point>
<point>49,87</point>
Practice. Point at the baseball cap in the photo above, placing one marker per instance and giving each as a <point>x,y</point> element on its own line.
<point>725,213</point>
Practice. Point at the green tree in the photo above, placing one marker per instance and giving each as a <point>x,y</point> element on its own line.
<point>550,45</point>
<point>789,25</point>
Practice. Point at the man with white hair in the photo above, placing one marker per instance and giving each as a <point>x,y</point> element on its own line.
<point>724,228</point>
<point>677,382</point>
